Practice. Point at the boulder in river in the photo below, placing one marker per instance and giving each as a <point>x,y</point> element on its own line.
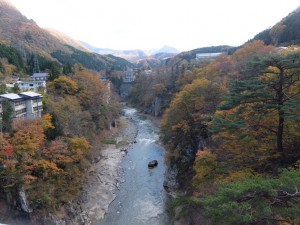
<point>152,164</point>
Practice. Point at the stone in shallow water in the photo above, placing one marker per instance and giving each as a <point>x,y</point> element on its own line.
<point>152,164</point>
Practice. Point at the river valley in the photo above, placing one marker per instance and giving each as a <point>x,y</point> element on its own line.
<point>141,198</point>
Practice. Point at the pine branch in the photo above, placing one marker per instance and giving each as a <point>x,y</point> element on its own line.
<point>280,197</point>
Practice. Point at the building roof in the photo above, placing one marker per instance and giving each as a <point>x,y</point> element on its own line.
<point>31,82</point>
<point>11,96</point>
<point>30,94</point>
<point>208,55</point>
<point>40,75</point>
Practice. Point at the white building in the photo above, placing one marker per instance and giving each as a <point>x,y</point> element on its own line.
<point>37,80</point>
<point>24,105</point>
<point>31,85</point>
<point>34,104</point>
<point>208,56</point>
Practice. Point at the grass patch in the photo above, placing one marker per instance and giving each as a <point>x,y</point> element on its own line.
<point>109,141</point>
<point>122,144</point>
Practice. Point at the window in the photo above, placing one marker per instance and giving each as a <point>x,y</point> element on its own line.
<point>21,111</point>
<point>37,100</point>
<point>37,108</point>
<point>19,103</point>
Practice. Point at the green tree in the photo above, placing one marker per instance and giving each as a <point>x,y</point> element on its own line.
<point>15,88</point>
<point>267,84</point>
<point>55,71</point>
<point>3,88</point>
<point>67,68</point>
<point>256,200</point>
<point>7,117</point>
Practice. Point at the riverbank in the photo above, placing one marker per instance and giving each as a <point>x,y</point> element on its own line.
<point>104,176</point>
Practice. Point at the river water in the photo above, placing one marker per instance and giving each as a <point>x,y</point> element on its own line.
<point>141,199</point>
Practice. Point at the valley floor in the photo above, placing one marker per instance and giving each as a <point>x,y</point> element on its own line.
<point>105,175</point>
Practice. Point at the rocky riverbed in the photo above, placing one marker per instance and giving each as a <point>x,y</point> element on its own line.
<point>127,180</point>
<point>105,174</point>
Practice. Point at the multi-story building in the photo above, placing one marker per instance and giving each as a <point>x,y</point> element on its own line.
<point>24,105</point>
<point>34,104</point>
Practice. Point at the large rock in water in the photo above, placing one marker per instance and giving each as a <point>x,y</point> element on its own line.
<point>152,164</point>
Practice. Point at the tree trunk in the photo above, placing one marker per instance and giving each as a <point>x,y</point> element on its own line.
<point>280,98</point>
<point>280,131</point>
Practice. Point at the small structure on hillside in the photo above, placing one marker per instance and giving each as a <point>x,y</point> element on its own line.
<point>207,56</point>
<point>40,76</point>
<point>128,76</point>
<point>128,79</point>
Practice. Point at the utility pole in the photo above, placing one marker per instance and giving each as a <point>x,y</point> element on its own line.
<point>36,67</point>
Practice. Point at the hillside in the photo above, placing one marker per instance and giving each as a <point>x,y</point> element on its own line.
<point>189,55</point>
<point>68,40</point>
<point>17,31</point>
<point>284,33</point>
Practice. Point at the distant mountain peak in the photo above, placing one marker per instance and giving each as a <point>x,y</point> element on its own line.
<point>164,49</point>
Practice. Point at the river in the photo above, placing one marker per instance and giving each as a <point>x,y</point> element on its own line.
<point>141,199</point>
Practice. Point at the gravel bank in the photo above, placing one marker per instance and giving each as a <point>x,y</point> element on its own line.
<point>105,175</point>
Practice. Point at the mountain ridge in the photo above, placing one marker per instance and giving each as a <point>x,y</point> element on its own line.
<point>285,32</point>
<point>19,32</point>
<point>133,55</point>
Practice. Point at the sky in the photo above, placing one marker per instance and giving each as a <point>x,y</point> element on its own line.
<point>151,24</point>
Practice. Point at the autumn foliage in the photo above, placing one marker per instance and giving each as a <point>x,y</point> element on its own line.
<point>47,157</point>
<point>237,123</point>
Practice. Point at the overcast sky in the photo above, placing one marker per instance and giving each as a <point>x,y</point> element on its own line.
<point>147,24</point>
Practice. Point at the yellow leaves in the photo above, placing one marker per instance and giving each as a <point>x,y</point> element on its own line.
<point>46,122</point>
<point>182,125</point>
<point>245,136</point>
<point>46,167</point>
<point>78,146</point>
<point>205,167</point>
<point>65,85</point>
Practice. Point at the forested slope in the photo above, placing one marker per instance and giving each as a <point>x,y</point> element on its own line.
<point>239,121</point>
<point>284,33</point>
<point>231,129</point>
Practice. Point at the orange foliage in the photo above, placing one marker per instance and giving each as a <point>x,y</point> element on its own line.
<point>27,139</point>
<point>252,49</point>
